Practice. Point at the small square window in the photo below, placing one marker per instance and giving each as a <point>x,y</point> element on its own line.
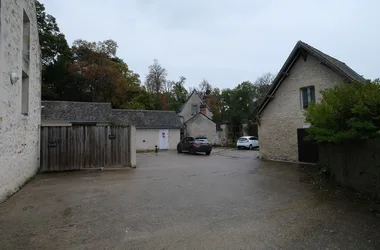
<point>194,109</point>
<point>307,96</point>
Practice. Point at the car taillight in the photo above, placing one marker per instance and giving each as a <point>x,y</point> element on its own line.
<point>196,143</point>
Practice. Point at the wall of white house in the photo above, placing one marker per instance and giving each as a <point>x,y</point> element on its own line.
<point>147,139</point>
<point>187,111</point>
<point>283,115</point>
<point>20,102</point>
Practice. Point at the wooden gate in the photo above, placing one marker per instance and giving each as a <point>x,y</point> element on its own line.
<point>81,147</point>
<point>307,150</point>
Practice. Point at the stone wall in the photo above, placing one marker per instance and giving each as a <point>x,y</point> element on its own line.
<point>221,137</point>
<point>201,126</point>
<point>283,114</point>
<point>354,165</point>
<point>19,133</point>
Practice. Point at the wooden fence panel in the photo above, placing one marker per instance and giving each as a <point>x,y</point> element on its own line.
<point>80,147</point>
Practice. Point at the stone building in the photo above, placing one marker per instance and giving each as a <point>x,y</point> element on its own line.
<point>280,116</point>
<point>197,117</point>
<point>20,94</point>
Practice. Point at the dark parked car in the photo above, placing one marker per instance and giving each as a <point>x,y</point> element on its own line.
<point>194,145</point>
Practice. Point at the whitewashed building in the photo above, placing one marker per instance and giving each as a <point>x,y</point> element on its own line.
<point>197,116</point>
<point>20,94</point>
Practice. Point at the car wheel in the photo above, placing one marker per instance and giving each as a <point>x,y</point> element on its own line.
<point>208,152</point>
<point>238,148</point>
<point>250,147</point>
<point>192,151</point>
<point>179,150</point>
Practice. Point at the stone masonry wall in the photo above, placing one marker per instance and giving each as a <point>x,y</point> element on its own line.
<point>283,115</point>
<point>19,134</point>
<point>201,126</point>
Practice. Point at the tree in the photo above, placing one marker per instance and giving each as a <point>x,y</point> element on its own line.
<point>204,87</point>
<point>156,78</point>
<point>263,84</point>
<point>108,47</point>
<point>179,91</point>
<point>347,112</point>
<point>55,56</point>
<point>215,105</point>
<point>235,106</point>
<point>101,76</point>
<point>178,94</point>
<point>52,42</point>
<point>89,71</point>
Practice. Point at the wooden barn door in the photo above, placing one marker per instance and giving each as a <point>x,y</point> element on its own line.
<point>81,147</point>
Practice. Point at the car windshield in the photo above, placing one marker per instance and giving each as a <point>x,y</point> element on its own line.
<point>202,140</point>
<point>243,138</point>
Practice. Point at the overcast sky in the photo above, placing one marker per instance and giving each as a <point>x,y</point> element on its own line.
<point>225,42</point>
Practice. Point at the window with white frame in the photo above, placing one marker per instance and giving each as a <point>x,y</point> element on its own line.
<point>307,96</point>
<point>194,109</point>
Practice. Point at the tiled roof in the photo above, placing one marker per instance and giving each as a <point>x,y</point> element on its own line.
<point>148,118</point>
<point>77,112</point>
<point>331,62</point>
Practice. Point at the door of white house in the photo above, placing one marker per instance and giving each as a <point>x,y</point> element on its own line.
<point>163,139</point>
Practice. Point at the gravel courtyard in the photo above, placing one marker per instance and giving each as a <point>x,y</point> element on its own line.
<point>228,200</point>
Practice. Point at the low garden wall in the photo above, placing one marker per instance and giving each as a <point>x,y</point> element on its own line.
<point>354,165</point>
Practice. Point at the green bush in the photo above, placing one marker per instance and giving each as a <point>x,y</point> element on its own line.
<point>350,111</point>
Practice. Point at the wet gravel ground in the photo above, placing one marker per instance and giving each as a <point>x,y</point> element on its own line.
<point>228,200</point>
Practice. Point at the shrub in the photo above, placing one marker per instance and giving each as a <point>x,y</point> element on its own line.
<point>350,111</point>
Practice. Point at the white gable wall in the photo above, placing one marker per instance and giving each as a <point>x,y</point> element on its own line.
<point>19,133</point>
<point>202,126</point>
<point>187,109</point>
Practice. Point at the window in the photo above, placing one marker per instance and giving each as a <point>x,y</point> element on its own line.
<point>25,94</point>
<point>307,96</point>
<point>194,109</point>
<point>26,38</point>
<point>25,65</point>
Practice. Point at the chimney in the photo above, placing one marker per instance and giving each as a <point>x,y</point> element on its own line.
<point>203,108</point>
<point>207,99</point>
